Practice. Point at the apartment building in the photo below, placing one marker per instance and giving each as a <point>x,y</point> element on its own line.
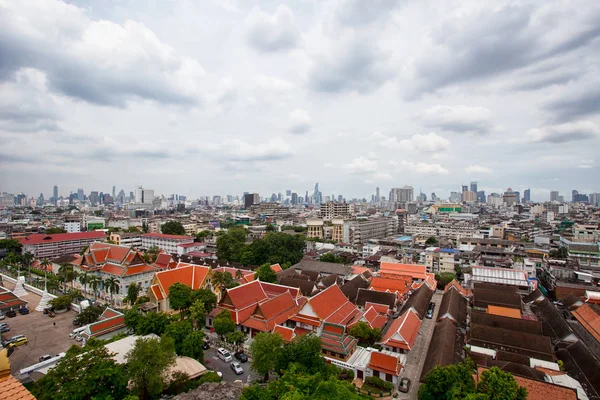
<point>127,239</point>
<point>314,228</point>
<point>443,230</point>
<point>60,244</point>
<point>72,227</point>
<point>332,210</point>
<point>362,231</point>
<point>168,243</point>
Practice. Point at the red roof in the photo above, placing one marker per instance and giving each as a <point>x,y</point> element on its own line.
<point>403,331</point>
<point>190,275</point>
<point>413,270</point>
<point>165,261</point>
<point>163,236</point>
<point>328,301</point>
<point>286,333</point>
<point>388,285</point>
<point>385,363</point>
<point>193,244</point>
<point>248,275</point>
<point>157,293</point>
<point>276,268</point>
<point>139,269</point>
<point>380,308</point>
<point>61,237</point>
<point>244,295</point>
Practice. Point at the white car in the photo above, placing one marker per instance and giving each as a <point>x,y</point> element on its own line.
<point>237,368</point>
<point>79,338</point>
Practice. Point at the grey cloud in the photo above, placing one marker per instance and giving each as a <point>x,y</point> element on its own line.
<point>492,43</point>
<point>575,105</point>
<point>563,133</point>
<point>76,65</point>
<point>271,33</point>
<point>355,66</point>
<point>459,119</point>
<point>360,12</point>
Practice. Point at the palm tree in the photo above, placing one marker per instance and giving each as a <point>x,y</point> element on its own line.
<point>84,279</point>
<point>27,259</point>
<point>45,263</point>
<point>112,285</point>
<point>94,282</point>
<point>66,273</point>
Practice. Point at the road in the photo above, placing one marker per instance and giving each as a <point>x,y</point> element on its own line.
<point>213,362</point>
<point>416,357</point>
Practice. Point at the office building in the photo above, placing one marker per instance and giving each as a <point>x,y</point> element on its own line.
<point>80,194</point>
<point>554,196</point>
<point>94,197</point>
<point>288,192</point>
<point>510,197</point>
<point>317,195</point>
<point>481,196</point>
<point>377,196</point>
<point>455,197</point>
<point>464,188</point>
<point>114,191</point>
<point>518,194</point>
<point>250,199</point>
<point>527,196</point>
<point>404,194</point>
<point>474,187</point>
<point>469,196</point>
<point>54,194</point>
<point>294,198</point>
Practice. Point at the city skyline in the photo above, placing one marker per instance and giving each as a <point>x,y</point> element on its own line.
<point>273,96</point>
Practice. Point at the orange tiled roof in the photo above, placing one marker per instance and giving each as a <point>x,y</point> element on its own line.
<point>244,295</point>
<point>385,363</point>
<point>286,333</point>
<point>248,275</point>
<point>12,389</point>
<point>388,285</point>
<point>157,293</point>
<point>504,311</point>
<point>276,268</point>
<point>456,286</point>
<point>413,270</point>
<point>380,308</point>
<point>328,301</point>
<point>188,274</point>
<point>403,331</point>
<point>589,319</point>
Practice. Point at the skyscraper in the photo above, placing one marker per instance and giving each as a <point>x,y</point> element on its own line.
<point>317,195</point>
<point>114,191</point>
<point>402,195</point>
<point>554,195</point>
<point>55,194</point>
<point>464,188</point>
<point>527,195</point>
<point>474,187</point>
<point>377,197</point>
<point>80,195</point>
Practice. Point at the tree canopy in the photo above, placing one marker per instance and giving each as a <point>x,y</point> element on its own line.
<point>365,334</point>
<point>91,374</point>
<point>264,273</point>
<point>207,297</point>
<point>192,346</point>
<point>444,278</point>
<point>147,363</point>
<point>274,247</point>
<point>172,228</point>
<point>264,349</point>
<point>180,297</point>
<point>178,331</point>
<point>11,245</point>
<point>223,323</point>
<point>144,324</point>
<point>54,230</point>
<point>332,258</point>
<point>432,241</point>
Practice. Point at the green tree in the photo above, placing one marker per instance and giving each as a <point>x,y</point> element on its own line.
<point>264,273</point>
<point>456,379</point>
<point>223,323</point>
<point>153,322</point>
<point>277,247</point>
<point>54,230</point>
<point>332,258</point>
<point>561,253</point>
<point>305,351</point>
<point>432,241</point>
<point>11,245</point>
<point>264,349</point>
<point>500,385</point>
<point>365,334</point>
<point>203,234</point>
<point>132,293</point>
<point>270,227</point>
<point>236,337</point>
<point>133,229</point>
<point>84,279</point>
<point>443,279</point>
<point>198,312</point>
<point>151,255</point>
<point>94,282</point>
<point>180,297</point>
<point>222,280</point>
<point>172,228</point>
<point>147,363</point>
<point>90,314</point>
<point>192,346</point>
<point>67,273</point>
<point>231,244</point>
<point>27,259</point>
<point>87,375</point>
<point>111,284</point>
<point>207,297</point>
<point>178,331</point>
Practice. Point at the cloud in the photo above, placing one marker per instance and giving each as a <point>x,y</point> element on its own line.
<point>424,168</point>
<point>474,45</point>
<point>273,84</point>
<point>477,169</point>
<point>96,61</point>
<point>361,165</point>
<point>430,142</point>
<point>355,64</point>
<point>355,13</point>
<point>238,150</point>
<point>459,119</point>
<point>563,133</point>
<point>578,100</point>
<point>271,33</point>
<point>299,122</point>
<point>585,166</point>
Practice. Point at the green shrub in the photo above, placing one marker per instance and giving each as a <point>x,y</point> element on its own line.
<point>379,383</point>
<point>61,303</point>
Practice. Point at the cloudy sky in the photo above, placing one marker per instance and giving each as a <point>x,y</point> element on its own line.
<point>225,96</point>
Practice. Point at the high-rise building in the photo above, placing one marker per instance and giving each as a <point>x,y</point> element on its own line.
<point>464,188</point>
<point>527,196</point>
<point>554,196</point>
<point>402,195</point>
<point>340,198</point>
<point>114,191</point>
<point>481,196</point>
<point>288,192</point>
<point>147,196</point>
<point>40,200</point>
<point>294,198</point>
<point>455,197</point>
<point>54,194</point>
<point>250,199</point>
<point>594,199</point>
<point>80,194</point>
<point>509,197</point>
<point>518,194</point>
<point>377,196</point>
<point>94,197</point>
<point>469,197</point>
<point>474,187</point>
<point>317,195</point>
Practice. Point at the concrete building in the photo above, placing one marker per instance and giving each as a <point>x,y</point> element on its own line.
<point>331,210</point>
<point>469,196</point>
<point>315,228</point>
<point>127,239</point>
<point>250,199</point>
<point>72,227</point>
<point>554,196</point>
<point>60,244</point>
<point>510,198</point>
<point>405,194</point>
<point>168,243</point>
<point>362,231</point>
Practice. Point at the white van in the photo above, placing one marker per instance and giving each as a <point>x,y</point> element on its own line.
<point>224,354</point>
<point>76,332</point>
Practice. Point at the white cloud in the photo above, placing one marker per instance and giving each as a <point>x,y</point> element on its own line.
<point>572,131</point>
<point>299,122</point>
<point>271,33</point>
<point>424,168</point>
<point>478,169</point>
<point>459,119</point>
<point>238,150</point>
<point>361,165</point>
<point>430,142</point>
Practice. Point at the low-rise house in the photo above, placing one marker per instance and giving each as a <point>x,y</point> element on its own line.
<point>402,333</point>
<point>110,323</point>
<point>386,367</point>
<point>193,276</point>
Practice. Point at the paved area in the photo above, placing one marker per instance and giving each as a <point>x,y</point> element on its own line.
<point>213,362</point>
<point>46,335</point>
<point>416,357</point>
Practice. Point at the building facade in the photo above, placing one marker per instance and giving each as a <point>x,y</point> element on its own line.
<point>60,244</point>
<point>168,243</point>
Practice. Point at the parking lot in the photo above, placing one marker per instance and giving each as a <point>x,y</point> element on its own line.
<point>45,335</point>
<point>213,362</point>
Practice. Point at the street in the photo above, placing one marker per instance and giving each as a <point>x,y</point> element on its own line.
<point>416,357</point>
<point>211,361</point>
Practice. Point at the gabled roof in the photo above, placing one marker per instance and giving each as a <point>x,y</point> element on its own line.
<point>306,287</point>
<point>454,285</point>
<point>413,270</point>
<point>442,348</point>
<point>389,284</point>
<point>332,304</point>
<point>454,307</point>
<point>403,331</point>
<point>371,317</point>
<point>322,267</point>
<point>165,261</point>
<point>276,268</point>
<point>528,344</point>
<point>12,389</point>
<point>588,316</point>
<point>188,274</point>
<point>385,363</point>
<point>334,338</point>
<point>286,333</point>
<point>504,311</point>
<point>419,301</point>
<point>513,324</point>
<point>350,288</point>
<point>248,276</point>
<point>374,296</point>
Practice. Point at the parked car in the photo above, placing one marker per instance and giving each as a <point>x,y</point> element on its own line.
<point>223,354</point>
<point>18,341</point>
<point>11,314</point>
<point>46,357</point>
<point>23,310</point>
<point>48,309</point>
<point>237,368</point>
<point>429,313</point>
<point>240,355</point>
<point>2,316</point>
<point>205,345</point>
<point>404,385</point>
<point>4,327</point>
<point>79,338</point>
